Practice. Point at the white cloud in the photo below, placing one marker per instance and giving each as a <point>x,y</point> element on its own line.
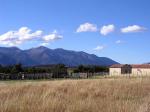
<point>24,34</point>
<point>107,29</point>
<point>51,37</point>
<point>44,44</point>
<point>133,28</point>
<point>87,27</point>
<point>119,41</point>
<point>99,48</point>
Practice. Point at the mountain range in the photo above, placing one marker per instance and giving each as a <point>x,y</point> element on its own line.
<point>44,56</point>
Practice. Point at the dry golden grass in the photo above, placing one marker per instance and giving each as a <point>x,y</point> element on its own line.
<point>96,95</point>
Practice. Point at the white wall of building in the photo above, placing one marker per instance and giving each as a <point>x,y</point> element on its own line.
<point>135,72</point>
<point>115,71</point>
<point>141,71</point>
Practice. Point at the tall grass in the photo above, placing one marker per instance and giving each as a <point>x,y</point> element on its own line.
<point>96,95</point>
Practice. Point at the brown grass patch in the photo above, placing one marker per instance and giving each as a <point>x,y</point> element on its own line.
<point>97,95</point>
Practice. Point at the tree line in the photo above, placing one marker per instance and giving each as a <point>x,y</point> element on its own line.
<point>16,71</point>
<point>91,69</point>
<point>57,71</point>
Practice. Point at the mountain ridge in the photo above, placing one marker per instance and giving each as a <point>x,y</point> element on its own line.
<point>44,56</point>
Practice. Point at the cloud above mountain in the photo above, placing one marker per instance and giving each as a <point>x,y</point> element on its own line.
<point>87,27</point>
<point>119,42</point>
<point>133,28</point>
<point>25,34</point>
<point>107,29</point>
<point>99,48</point>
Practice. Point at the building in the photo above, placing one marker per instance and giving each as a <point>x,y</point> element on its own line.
<point>127,69</point>
<point>70,71</point>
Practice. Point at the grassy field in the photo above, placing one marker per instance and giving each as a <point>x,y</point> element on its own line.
<point>88,95</point>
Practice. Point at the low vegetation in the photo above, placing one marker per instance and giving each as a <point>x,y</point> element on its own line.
<point>17,72</point>
<point>88,95</point>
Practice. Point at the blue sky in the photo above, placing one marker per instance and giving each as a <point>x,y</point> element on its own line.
<point>118,29</point>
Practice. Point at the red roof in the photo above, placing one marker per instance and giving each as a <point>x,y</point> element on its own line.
<point>116,66</point>
<point>132,65</point>
<point>141,66</point>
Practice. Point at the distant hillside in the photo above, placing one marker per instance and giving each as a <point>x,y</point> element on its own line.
<point>44,56</point>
